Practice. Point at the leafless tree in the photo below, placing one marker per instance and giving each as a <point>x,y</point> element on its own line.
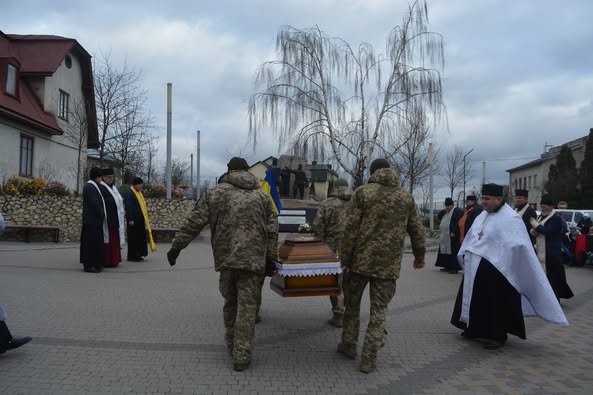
<point>77,132</point>
<point>409,151</point>
<point>453,172</point>
<point>179,171</point>
<point>322,94</point>
<point>150,168</point>
<point>124,124</point>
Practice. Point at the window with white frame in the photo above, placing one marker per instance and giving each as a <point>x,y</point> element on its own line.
<point>26,163</point>
<point>11,80</point>
<point>63,106</point>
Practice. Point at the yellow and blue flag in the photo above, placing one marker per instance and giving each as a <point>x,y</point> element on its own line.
<point>268,185</point>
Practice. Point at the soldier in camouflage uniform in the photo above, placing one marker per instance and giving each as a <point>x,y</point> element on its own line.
<point>329,227</point>
<point>244,237</point>
<point>377,220</point>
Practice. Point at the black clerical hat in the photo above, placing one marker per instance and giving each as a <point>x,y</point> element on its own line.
<point>107,171</point>
<point>547,200</point>
<point>492,190</point>
<point>95,172</point>
<point>449,202</point>
<point>521,192</point>
<point>471,198</point>
<point>137,180</point>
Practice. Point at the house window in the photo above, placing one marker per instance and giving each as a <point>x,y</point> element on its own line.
<point>529,184</point>
<point>26,166</point>
<point>63,108</point>
<point>535,181</point>
<point>516,184</point>
<point>11,80</point>
<point>524,182</point>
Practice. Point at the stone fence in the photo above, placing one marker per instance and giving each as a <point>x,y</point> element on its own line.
<point>66,213</point>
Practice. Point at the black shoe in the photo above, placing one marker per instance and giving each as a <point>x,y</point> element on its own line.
<point>453,271</point>
<point>91,269</point>
<point>444,269</point>
<point>16,342</point>
<point>135,259</point>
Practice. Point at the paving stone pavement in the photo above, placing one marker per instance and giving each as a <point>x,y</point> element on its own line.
<point>145,328</point>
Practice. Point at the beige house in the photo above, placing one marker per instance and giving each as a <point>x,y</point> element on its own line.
<point>532,176</point>
<point>47,108</point>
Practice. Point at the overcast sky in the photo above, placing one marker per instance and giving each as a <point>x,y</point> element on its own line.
<point>518,74</point>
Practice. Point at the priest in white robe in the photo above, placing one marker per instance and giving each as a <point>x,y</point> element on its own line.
<point>502,280</point>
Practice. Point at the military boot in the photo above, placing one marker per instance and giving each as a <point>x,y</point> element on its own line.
<point>367,365</point>
<point>337,320</point>
<point>347,350</point>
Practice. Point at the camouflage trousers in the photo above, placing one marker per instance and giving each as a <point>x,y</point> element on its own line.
<point>240,289</point>
<point>337,304</point>
<point>381,293</point>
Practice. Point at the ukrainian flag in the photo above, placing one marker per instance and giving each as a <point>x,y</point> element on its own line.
<point>268,185</point>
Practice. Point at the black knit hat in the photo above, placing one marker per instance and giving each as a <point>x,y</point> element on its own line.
<point>521,192</point>
<point>449,202</point>
<point>379,164</point>
<point>492,190</point>
<point>237,163</point>
<point>137,181</point>
<point>95,172</point>
<point>547,200</point>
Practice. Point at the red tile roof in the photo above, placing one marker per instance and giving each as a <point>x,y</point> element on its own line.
<point>42,55</point>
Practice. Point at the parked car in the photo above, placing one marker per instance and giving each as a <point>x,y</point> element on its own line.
<point>572,217</point>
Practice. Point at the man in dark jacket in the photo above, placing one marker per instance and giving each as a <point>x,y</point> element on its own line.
<point>94,228</point>
<point>244,238</point>
<point>300,180</point>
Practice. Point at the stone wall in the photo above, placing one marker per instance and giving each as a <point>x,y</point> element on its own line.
<point>66,212</point>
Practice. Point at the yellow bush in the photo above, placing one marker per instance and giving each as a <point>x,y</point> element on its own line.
<point>23,186</point>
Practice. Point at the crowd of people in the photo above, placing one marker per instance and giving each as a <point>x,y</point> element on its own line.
<point>510,258</point>
<point>105,217</point>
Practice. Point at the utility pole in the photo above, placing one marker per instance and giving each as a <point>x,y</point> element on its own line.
<point>483,172</point>
<point>464,156</point>
<point>191,170</point>
<point>430,186</point>
<point>198,169</point>
<point>169,127</point>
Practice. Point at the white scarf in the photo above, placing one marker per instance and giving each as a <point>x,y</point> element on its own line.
<point>522,211</point>
<point>540,240</point>
<point>505,244</point>
<point>119,202</point>
<point>105,229</point>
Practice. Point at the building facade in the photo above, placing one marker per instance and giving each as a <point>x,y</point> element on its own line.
<point>532,176</point>
<point>47,108</point>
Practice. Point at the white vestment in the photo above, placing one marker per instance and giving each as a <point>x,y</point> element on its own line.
<point>121,212</point>
<point>445,233</point>
<point>500,238</point>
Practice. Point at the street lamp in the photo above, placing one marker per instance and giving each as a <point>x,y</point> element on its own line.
<point>464,156</point>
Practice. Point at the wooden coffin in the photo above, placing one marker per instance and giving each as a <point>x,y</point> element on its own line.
<point>300,257</point>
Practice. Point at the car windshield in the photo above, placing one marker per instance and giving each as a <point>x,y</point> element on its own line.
<point>565,215</point>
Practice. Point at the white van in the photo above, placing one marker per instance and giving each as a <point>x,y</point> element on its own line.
<point>572,217</point>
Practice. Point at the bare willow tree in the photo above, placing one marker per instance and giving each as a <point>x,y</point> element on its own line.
<point>410,150</point>
<point>454,171</point>
<point>77,132</point>
<point>150,159</point>
<point>323,97</point>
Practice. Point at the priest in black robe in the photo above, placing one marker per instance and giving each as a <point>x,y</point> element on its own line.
<point>503,280</point>
<point>94,227</point>
<point>526,212</point>
<point>136,226</point>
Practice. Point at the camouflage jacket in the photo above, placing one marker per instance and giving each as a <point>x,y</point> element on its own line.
<point>329,221</point>
<point>377,220</point>
<point>243,223</point>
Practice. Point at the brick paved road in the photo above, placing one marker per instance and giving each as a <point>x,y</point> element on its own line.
<point>144,328</point>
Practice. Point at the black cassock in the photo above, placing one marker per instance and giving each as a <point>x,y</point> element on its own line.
<point>137,241</point>
<point>92,253</point>
<point>495,308</point>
